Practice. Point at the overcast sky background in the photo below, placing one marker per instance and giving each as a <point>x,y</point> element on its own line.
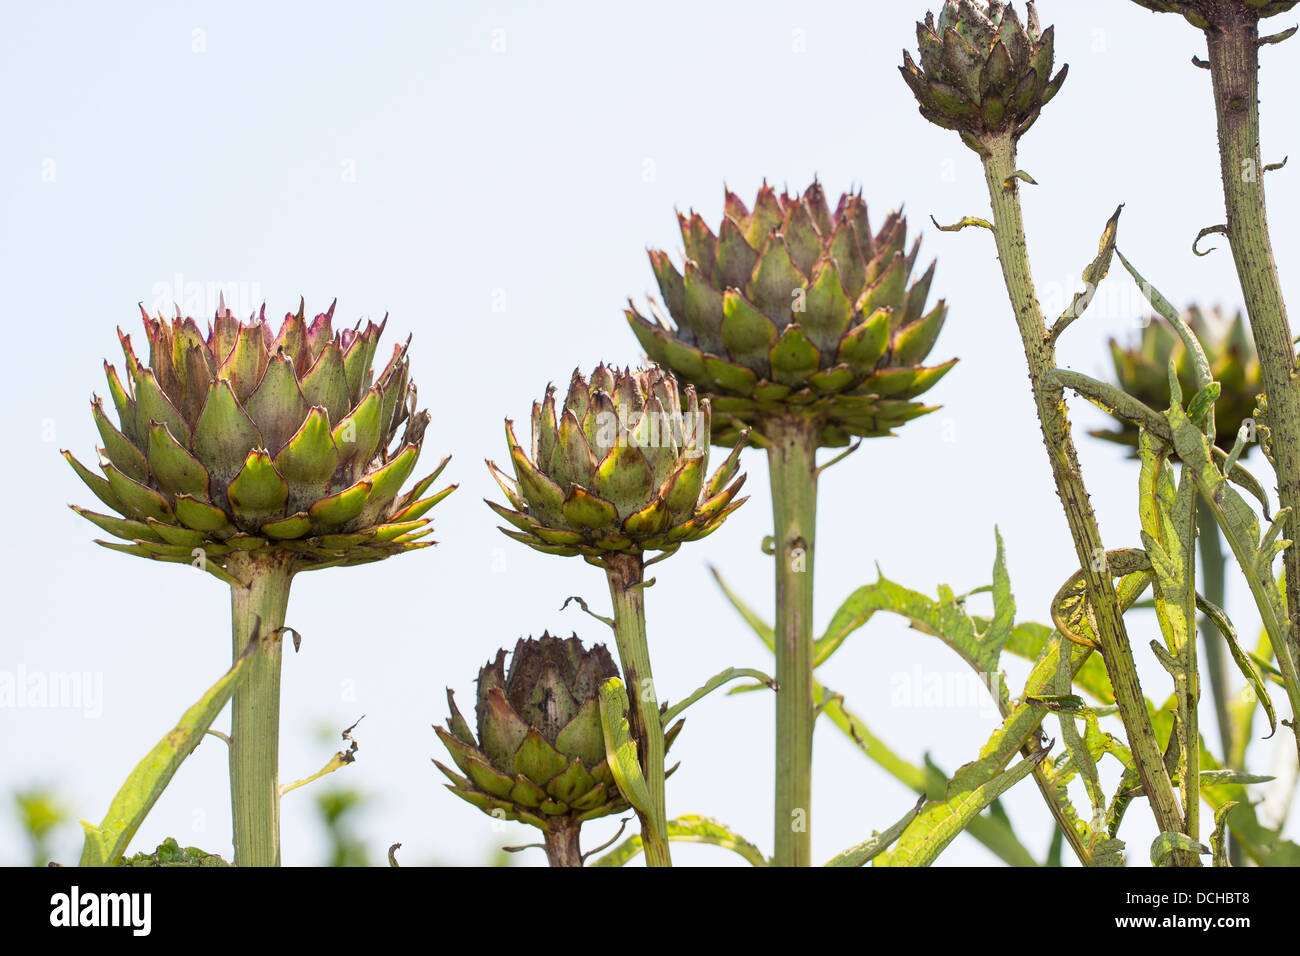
<point>491,175</point>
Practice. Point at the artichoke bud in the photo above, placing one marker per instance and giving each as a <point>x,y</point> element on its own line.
<point>537,753</point>
<point>796,310</point>
<point>621,465</point>
<point>1141,370</point>
<point>242,440</point>
<point>983,72</point>
<point>1207,14</point>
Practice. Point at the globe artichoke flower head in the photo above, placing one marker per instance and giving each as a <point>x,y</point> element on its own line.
<point>620,467</point>
<point>245,441</point>
<point>795,309</point>
<point>1141,369</point>
<point>1206,14</point>
<point>537,752</point>
<point>982,72</point>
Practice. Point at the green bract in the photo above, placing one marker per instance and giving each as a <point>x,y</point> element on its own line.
<point>539,754</point>
<point>244,441</point>
<point>1142,371</point>
<point>1204,13</point>
<point>622,466</point>
<point>793,309</point>
<point>982,72</point>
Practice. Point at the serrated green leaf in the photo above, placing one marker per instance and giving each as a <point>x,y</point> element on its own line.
<point>1004,605</point>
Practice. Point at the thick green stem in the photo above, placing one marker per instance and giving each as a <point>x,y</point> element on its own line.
<point>1213,564</point>
<point>791,455</point>
<point>562,847</point>
<point>1189,691</point>
<point>1234,69</point>
<point>626,573</point>
<point>257,611</point>
<point>1187,684</point>
<point>1213,585</point>
<point>1040,351</point>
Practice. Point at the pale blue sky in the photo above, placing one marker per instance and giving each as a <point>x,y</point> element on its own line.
<point>434,160</point>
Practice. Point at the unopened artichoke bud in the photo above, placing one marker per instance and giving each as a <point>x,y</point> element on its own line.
<point>795,310</point>
<point>1206,14</point>
<point>1142,371</point>
<point>982,71</point>
<point>537,752</point>
<point>620,467</point>
<point>241,440</point>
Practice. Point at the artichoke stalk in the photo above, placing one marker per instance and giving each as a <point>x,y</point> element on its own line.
<point>537,752</point>
<point>986,74</point>
<point>803,326</point>
<point>255,456</point>
<point>621,468</point>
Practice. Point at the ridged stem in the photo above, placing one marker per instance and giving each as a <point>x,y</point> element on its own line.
<point>1212,586</point>
<point>1187,684</point>
<point>562,847</point>
<point>626,573</point>
<point>791,456</point>
<point>1234,68</point>
<point>257,612</point>
<point>1040,353</point>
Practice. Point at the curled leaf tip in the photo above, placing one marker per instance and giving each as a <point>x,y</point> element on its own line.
<point>1207,231</point>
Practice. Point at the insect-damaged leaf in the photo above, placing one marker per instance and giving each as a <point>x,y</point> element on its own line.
<point>1093,273</point>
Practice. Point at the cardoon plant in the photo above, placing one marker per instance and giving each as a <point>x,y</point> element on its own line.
<point>620,469</point>
<point>983,73</point>
<point>804,328</point>
<point>1234,40</point>
<point>255,456</point>
<point>986,74</point>
<point>537,751</point>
